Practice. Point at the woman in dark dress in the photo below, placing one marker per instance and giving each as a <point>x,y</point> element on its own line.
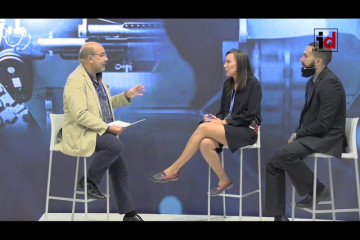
<point>234,125</point>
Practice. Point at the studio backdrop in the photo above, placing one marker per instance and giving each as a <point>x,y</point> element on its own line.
<point>180,63</point>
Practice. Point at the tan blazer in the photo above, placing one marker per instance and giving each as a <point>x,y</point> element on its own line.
<point>82,114</point>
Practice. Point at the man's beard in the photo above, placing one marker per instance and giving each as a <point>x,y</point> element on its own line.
<point>308,71</point>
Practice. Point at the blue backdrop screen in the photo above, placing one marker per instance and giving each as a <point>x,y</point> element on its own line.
<point>180,63</point>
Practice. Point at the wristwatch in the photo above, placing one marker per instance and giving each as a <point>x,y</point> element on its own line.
<point>293,136</point>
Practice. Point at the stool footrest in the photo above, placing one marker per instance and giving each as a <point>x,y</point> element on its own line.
<point>331,211</point>
<point>81,192</point>
<point>71,199</point>
<point>236,195</point>
<point>322,202</point>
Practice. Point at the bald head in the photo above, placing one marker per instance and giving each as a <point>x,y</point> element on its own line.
<point>89,48</point>
<point>93,57</point>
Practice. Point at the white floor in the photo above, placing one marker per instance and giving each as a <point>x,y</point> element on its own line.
<point>153,217</point>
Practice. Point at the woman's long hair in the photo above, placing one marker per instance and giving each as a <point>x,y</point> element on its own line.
<point>244,70</point>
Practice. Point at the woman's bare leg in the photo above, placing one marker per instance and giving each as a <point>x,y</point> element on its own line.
<point>205,130</point>
<point>207,148</point>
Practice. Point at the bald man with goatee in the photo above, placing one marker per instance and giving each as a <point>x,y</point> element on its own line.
<point>88,108</point>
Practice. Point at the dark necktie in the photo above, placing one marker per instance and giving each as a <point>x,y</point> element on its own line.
<point>309,91</point>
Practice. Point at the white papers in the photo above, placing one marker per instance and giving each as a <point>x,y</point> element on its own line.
<point>124,124</point>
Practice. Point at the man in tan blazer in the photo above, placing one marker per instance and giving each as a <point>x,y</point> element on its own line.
<point>88,108</point>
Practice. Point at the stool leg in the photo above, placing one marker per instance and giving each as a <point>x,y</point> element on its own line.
<point>331,190</point>
<point>209,183</point>
<point>240,190</point>
<point>108,195</point>
<point>293,204</point>
<point>314,189</point>
<point>75,189</point>
<point>224,203</point>
<point>86,196</point>
<point>48,186</point>
<point>259,175</point>
<point>357,183</point>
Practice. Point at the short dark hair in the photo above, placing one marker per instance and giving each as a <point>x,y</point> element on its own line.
<point>325,55</point>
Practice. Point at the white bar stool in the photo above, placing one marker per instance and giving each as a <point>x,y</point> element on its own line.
<point>240,195</point>
<point>350,131</point>
<point>56,124</point>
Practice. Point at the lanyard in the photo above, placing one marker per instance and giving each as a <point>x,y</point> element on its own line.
<point>232,102</point>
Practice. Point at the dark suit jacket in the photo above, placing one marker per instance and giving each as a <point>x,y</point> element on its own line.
<point>246,106</point>
<point>246,109</point>
<point>323,118</point>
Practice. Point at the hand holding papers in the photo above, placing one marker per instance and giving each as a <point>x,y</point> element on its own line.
<point>124,124</point>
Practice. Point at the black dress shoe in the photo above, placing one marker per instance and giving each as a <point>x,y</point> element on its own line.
<point>135,218</point>
<point>92,190</point>
<point>307,202</point>
<point>281,219</point>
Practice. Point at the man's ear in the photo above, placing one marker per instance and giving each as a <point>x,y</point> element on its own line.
<point>319,61</point>
<point>90,57</point>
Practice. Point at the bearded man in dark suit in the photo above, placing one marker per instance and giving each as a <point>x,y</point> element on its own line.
<point>321,129</point>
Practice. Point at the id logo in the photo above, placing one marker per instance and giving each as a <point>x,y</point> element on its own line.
<point>327,39</point>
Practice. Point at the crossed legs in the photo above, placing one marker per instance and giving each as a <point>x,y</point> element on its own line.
<point>206,138</point>
<point>108,155</point>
